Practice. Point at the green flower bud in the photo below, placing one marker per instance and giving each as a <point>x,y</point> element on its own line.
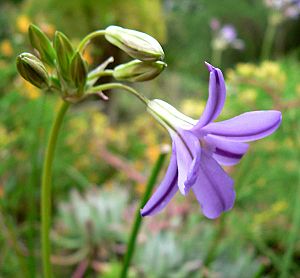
<point>64,54</point>
<point>78,71</point>
<point>136,44</point>
<point>42,44</point>
<point>138,71</point>
<point>32,70</point>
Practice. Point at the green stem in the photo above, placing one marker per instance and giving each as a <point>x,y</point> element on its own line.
<point>46,189</point>
<point>109,86</point>
<point>216,57</point>
<point>87,39</point>
<point>100,74</point>
<point>138,218</point>
<point>268,40</point>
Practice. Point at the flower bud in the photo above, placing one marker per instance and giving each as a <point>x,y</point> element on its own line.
<point>78,71</point>
<point>32,70</point>
<point>64,54</point>
<point>136,44</point>
<point>138,71</point>
<point>42,44</point>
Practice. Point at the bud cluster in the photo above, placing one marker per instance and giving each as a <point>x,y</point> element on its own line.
<point>146,50</point>
<point>59,66</point>
<point>137,71</point>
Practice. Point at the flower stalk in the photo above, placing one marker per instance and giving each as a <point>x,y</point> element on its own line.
<point>110,86</point>
<point>87,39</point>
<point>268,39</point>
<point>46,189</point>
<point>138,218</point>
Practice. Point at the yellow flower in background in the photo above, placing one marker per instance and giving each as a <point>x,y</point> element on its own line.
<point>261,218</point>
<point>271,73</point>
<point>192,107</point>
<point>82,163</point>
<point>48,28</point>
<point>298,90</point>
<point>248,95</point>
<point>80,125</point>
<point>267,74</point>
<point>230,75</point>
<point>111,133</point>
<point>121,137</point>
<point>6,48</point>
<point>279,206</point>
<point>140,189</point>
<point>150,138</point>
<point>246,70</point>
<point>109,185</point>
<point>139,165</point>
<point>29,91</point>
<point>1,190</point>
<point>269,215</point>
<point>152,153</point>
<point>87,55</point>
<point>271,68</point>
<point>23,23</point>
<point>99,123</point>
<point>5,137</point>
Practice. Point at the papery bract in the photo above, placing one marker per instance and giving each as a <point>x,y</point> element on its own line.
<point>136,44</point>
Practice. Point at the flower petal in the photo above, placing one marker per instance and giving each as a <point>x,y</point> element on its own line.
<point>214,188</point>
<point>163,110</point>
<point>188,153</point>
<point>165,191</point>
<point>216,98</point>
<point>246,127</point>
<point>226,152</point>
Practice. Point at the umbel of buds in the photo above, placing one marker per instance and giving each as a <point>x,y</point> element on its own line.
<point>33,70</point>
<point>136,44</point>
<point>64,53</point>
<point>79,72</point>
<point>60,67</point>
<point>138,71</point>
<point>42,44</point>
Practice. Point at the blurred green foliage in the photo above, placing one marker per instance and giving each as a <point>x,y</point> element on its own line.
<point>115,147</point>
<point>140,15</point>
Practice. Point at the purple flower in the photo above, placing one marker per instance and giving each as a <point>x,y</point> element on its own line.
<point>228,32</point>
<point>199,147</point>
<point>225,36</point>
<point>288,8</point>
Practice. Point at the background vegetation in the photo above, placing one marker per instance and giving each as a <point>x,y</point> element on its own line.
<point>106,151</point>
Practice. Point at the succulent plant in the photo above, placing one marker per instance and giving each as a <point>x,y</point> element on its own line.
<point>90,225</point>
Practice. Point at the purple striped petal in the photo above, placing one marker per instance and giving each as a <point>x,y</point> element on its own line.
<point>216,98</point>
<point>214,188</point>
<point>226,152</point>
<point>165,191</point>
<point>188,152</point>
<point>246,127</point>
